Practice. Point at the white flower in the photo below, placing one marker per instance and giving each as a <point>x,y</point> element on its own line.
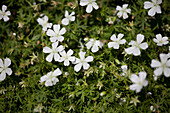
<point>90,4</point>
<point>4,68</point>
<point>139,81</point>
<point>44,23</point>
<point>161,40</point>
<point>136,45</point>
<point>95,44</point>
<point>53,52</point>
<point>123,11</point>
<point>65,21</point>
<point>163,66</point>
<point>50,79</point>
<point>82,61</point>
<point>116,41</point>
<point>66,57</point>
<point>56,35</point>
<point>124,70</point>
<point>4,14</point>
<point>154,5</point>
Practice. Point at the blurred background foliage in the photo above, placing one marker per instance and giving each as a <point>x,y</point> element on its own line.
<point>81,92</point>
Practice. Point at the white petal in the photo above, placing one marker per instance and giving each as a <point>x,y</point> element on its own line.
<point>47,50</point>
<point>1,63</point>
<point>83,3</point>
<point>53,39</point>
<point>72,18</point>
<point>136,52</point>
<point>89,59</point>
<point>155,63</point>
<point>89,8</point>
<point>4,8</point>
<point>86,66</point>
<point>113,37</point>
<point>89,44</point>
<point>168,63</point>
<point>8,13</point>
<point>125,6</point>
<point>139,38</point>
<point>7,62</point>
<point>144,45</point>
<point>1,69</point>
<point>111,44</point>
<point>120,35</point>
<point>54,45</point>
<point>6,18</point>
<point>43,78</point>
<point>125,15</point>
<point>159,1</point>
<point>158,9</point>
<point>116,45</point>
<point>40,21</point>
<point>45,18</point>
<point>148,5</point>
<point>78,67</point>
<point>129,50</point>
<point>128,11</point>
<point>8,71</point>
<point>2,76</point>
<point>72,13</point>
<point>123,41</point>
<point>55,80</point>
<point>167,72</point>
<point>94,48</point>
<point>95,5</point>
<point>63,53</point>
<point>118,8</point>
<point>48,83</point>
<point>66,13</point>
<point>66,63</point>
<point>65,21</point>
<point>62,31</point>
<point>145,83</point>
<point>56,28</point>
<point>142,75</point>
<point>70,52</point>
<point>82,55</point>
<point>132,42</point>
<point>152,12</point>
<point>163,58</point>
<point>57,72</point>
<point>60,48</point>
<point>158,71</point>
<point>50,57</point>
<point>60,38</point>
<point>119,14</point>
<point>50,32</point>
<point>154,1</point>
<point>71,58</point>
<point>134,78</point>
<point>56,56</point>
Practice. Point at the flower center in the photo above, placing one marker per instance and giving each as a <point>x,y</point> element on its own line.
<point>3,13</point>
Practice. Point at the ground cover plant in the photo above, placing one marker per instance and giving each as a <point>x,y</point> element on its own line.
<point>85,56</point>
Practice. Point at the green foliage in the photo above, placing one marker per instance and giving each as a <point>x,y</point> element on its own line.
<point>81,92</point>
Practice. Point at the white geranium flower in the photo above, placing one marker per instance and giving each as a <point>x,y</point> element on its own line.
<point>116,41</point>
<point>95,44</point>
<point>53,52</point>
<point>66,57</point>
<point>44,23</point>
<point>139,81</point>
<point>4,68</point>
<point>161,40</point>
<point>137,45</point>
<point>123,11</point>
<point>4,14</point>
<point>124,70</point>
<point>163,66</point>
<point>50,78</point>
<point>154,5</point>
<point>56,35</point>
<point>82,61</point>
<point>90,4</point>
<point>65,21</point>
